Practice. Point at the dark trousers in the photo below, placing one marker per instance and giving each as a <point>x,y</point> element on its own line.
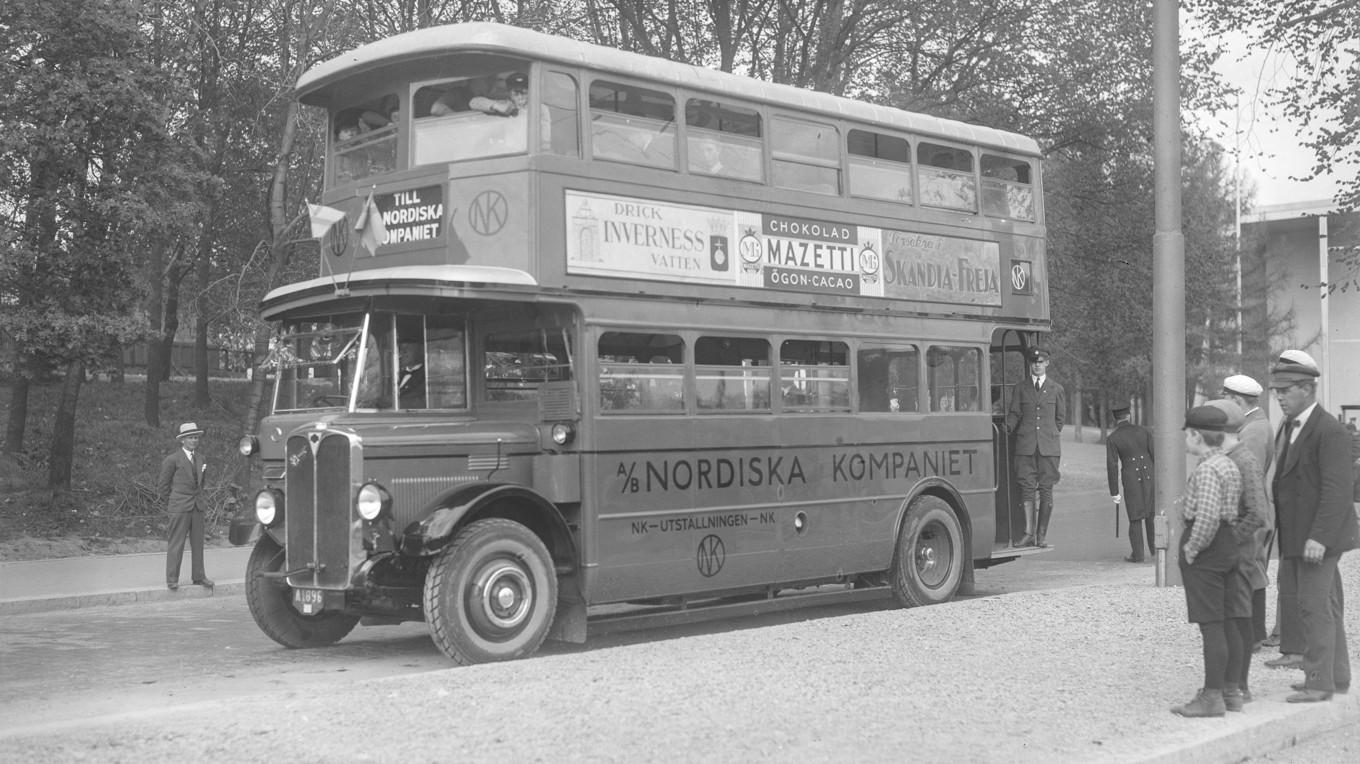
<point>1322,610</point>
<point>185,525</point>
<point>1136,535</point>
<point>1287,612</point>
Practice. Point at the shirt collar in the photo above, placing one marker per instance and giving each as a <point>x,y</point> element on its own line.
<point>1302,418</point>
<point>187,453</point>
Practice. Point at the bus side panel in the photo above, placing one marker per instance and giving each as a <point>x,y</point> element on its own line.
<point>713,503</point>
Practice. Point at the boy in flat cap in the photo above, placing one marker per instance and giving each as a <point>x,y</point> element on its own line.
<point>1256,437</point>
<point>181,487</point>
<point>1209,554</point>
<point>1129,469</point>
<point>1312,490</point>
<point>1035,416</point>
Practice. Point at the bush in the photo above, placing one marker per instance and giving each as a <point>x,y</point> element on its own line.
<point>117,459</point>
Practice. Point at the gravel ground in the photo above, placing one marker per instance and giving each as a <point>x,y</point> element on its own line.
<point>1083,674</point>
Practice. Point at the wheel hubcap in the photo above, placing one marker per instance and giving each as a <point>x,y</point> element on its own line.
<point>502,597</point>
<point>933,555</point>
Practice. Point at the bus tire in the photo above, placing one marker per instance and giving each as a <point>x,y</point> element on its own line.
<point>491,594</point>
<point>928,562</point>
<point>271,604</point>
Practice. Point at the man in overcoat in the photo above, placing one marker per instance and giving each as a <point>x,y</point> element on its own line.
<point>1035,417</point>
<point>1317,523</point>
<point>1129,469</point>
<point>181,487</point>
<point>1256,436</point>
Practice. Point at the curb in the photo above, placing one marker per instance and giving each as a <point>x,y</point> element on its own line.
<point>1246,736</point>
<point>25,606</point>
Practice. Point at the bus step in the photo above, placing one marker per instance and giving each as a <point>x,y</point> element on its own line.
<point>652,618</point>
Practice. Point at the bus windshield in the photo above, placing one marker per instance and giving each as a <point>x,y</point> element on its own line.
<point>316,363</point>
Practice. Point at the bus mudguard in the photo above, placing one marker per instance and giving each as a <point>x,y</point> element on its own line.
<point>461,505</point>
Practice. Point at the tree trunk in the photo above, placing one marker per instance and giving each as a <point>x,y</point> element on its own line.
<point>201,395</point>
<point>62,455</point>
<point>18,415</point>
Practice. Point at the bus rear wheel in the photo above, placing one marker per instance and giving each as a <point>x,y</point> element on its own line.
<point>271,604</point>
<point>928,561</point>
<point>491,594</point>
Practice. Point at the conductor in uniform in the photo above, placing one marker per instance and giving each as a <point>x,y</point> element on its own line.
<point>1128,465</point>
<point>1035,417</point>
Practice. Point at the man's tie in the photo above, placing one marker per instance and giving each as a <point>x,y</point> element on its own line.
<point>1288,431</point>
<point>1036,384</point>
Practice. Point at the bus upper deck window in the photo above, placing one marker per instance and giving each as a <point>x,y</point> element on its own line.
<point>365,139</point>
<point>632,124</point>
<point>880,166</point>
<point>1007,188</point>
<point>723,139</point>
<point>473,117</point>
<point>946,177</point>
<point>806,156</point>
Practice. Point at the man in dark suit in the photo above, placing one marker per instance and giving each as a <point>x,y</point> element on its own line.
<point>1312,490</point>
<point>181,487</point>
<point>1035,417</point>
<point>1128,466</point>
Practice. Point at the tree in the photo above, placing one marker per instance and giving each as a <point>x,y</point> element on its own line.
<point>1323,96</point>
<point>85,146</point>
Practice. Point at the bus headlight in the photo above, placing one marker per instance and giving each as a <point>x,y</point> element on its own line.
<point>372,501</point>
<point>563,433</point>
<point>268,509</point>
<point>247,445</point>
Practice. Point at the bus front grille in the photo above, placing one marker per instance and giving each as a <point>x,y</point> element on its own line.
<point>318,509</point>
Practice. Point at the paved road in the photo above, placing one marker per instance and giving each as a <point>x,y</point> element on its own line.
<point>94,662</point>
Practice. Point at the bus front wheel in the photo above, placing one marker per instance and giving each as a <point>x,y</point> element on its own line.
<point>928,561</point>
<point>271,604</point>
<point>491,593</point>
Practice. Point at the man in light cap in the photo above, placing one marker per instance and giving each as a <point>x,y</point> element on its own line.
<point>1312,490</point>
<point>1035,416</point>
<point>1256,436</point>
<point>181,486</point>
<point>1251,517</point>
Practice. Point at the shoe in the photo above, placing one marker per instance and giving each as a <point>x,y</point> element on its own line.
<point>1287,660</point>
<point>1272,641</point>
<point>1131,558</point>
<point>1026,540</point>
<point>174,587</point>
<point>1246,695</point>
<point>1233,698</point>
<point>206,583</point>
<point>1341,689</point>
<point>1206,703</point>
<point>1309,696</point>
<point>1256,648</point>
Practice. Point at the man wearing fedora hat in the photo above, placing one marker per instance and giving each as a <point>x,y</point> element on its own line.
<point>181,487</point>
<point>1312,490</point>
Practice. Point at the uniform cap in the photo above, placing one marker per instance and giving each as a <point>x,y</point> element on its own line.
<point>1214,418</point>
<point>1241,384</point>
<point>1119,411</point>
<point>187,429</point>
<point>1037,354</point>
<point>517,81</point>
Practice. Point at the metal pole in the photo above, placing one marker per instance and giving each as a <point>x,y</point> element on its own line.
<point>1324,274</point>
<point>1168,287</point>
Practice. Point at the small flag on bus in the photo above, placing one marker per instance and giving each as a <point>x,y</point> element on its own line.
<point>323,218</point>
<point>372,232</point>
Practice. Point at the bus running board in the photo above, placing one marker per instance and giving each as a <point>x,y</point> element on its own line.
<point>712,610</point>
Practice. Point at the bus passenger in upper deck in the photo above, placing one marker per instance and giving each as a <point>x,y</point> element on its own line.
<point>708,157</point>
<point>518,85</point>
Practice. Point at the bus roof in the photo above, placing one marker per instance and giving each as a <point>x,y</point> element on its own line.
<point>516,41</point>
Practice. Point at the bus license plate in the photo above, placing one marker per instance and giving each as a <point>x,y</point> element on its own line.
<point>307,601</point>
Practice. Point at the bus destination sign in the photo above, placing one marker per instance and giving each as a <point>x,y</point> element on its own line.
<point>661,241</point>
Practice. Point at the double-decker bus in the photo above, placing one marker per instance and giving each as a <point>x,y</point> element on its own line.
<point>635,338</point>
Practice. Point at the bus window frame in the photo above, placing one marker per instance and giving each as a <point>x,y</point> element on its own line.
<point>876,163</point>
<point>790,160</point>
<point>631,125</point>
<point>964,182</point>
